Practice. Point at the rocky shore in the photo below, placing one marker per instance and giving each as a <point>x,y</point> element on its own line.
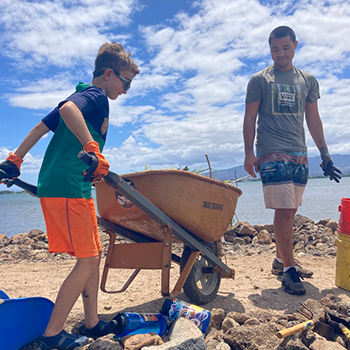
<point>228,329</point>
<point>310,238</point>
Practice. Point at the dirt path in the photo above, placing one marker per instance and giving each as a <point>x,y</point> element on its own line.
<point>254,287</point>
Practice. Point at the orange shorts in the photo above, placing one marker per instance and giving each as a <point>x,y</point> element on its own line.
<point>71,226</point>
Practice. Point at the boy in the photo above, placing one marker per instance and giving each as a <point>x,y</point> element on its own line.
<point>79,122</point>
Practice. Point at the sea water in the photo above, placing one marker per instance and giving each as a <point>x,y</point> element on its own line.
<point>21,212</point>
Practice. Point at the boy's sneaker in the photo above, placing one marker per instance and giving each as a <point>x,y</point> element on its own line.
<point>101,329</point>
<point>291,282</point>
<point>62,341</point>
<point>277,269</point>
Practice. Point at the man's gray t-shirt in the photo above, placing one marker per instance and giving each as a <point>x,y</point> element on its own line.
<point>282,97</point>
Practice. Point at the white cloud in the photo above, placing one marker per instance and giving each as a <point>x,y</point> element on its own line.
<point>58,32</point>
<point>30,164</point>
<point>189,98</point>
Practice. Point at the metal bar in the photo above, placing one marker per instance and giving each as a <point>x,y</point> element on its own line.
<point>131,235</point>
<point>126,233</point>
<point>184,274</point>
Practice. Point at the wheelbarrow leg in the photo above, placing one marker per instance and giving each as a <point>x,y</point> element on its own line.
<point>107,261</point>
<point>151,255</point>
<point>184,274</point>
<point>112,238</point>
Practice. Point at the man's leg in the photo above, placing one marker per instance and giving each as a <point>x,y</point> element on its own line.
<point>283,227</point>
<point>283,230</point>
<point>69,292</point>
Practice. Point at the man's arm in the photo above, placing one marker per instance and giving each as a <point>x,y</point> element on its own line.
<point>250,115</point>
<point>315,127</point>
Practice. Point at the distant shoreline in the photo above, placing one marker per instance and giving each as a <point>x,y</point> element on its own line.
<point>11,192</point>
<point>245,180</point>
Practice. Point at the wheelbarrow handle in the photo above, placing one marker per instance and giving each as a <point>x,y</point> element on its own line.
<point>298,328</point>
<point>31,189</point>
<point>85,157</point>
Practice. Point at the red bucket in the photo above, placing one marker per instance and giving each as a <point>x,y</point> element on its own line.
<point>344,219</point>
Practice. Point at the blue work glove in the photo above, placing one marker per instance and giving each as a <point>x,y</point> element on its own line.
<point>328,167</point>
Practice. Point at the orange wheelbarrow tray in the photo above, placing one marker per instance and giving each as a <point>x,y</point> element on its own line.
<point>150,208</point>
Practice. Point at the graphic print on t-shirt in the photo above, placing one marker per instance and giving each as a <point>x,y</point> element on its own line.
<point>285,99</point>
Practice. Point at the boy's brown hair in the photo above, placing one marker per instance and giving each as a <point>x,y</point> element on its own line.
<point>114,55</point>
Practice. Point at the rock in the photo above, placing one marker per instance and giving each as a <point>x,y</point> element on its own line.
<point>215,334</point>
<point>222,346</point>
<point>217,316</point>
<point>21,238</point>
<point>323,344</point>
<point>185,335</point>
<point>330,301</point>
<point>40,245</point>
<point>138,341</point>
<point>4,240</point>
<point>301,220</point>
<point>268,228</point>
<point>212,344</point>
<point>238,240</point>
<point>323,222</point>
<point>294,343</point>
<point>263,237</point>
<point>36,233</point>
<point>246,229</point>
<point>332,225</point>
<point>238,317</point>
<point>247,239</point>
<point>10,249</point>
<point>252,322</point>
<point>251,337</point>
<point>105,343</point>
<point>229,323</point>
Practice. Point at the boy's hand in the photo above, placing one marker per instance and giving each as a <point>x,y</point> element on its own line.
<point>99,167</point>
<point>11,167</point>
<point>328,167</point>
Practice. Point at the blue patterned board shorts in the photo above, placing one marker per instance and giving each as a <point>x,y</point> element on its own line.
<point>284,177</point>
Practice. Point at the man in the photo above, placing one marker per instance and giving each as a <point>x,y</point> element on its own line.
<point>280,95</point>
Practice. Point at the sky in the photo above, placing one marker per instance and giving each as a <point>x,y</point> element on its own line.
<point>195,58</point>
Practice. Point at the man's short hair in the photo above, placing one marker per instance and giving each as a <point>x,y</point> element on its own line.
<point>281,32</point>
<point>114,55</point>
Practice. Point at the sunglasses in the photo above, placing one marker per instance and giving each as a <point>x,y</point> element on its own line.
<point>126,82</point>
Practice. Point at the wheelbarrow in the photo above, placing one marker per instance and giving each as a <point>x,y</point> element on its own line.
<point>154,208</point>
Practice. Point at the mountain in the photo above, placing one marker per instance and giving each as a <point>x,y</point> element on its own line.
<point>341,161</point>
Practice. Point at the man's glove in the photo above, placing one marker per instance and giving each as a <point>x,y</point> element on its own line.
<point>99,167</point>
<point>328,167</point>
<point>11,167</point>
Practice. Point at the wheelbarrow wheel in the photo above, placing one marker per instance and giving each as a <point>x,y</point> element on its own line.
<point>202,284</point>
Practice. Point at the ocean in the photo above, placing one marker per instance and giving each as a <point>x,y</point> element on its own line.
<point>21,212</point>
